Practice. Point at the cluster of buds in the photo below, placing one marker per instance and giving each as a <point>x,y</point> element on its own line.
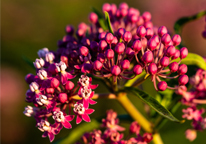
<point>112,133</point>
<point>193,98</point>
<point>52,93</point>
<point>135,46</point>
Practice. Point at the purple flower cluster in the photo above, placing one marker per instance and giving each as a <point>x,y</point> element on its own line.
<point>52,92</point>
<point>193,98</point>
<point>135,46</point>
<point>112,135</point>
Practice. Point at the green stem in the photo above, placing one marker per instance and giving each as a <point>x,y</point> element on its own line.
<point>134,113</point>
<point>157,139</point>
<point>132,81</point>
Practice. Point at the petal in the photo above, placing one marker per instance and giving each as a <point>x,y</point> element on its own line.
<point>45,134</point>
<point>63,79</point>
<point>91,95</point>
<point>70,76</point>
<point>92,101</point>
<point>119,128</point>
<point>77,66</point>
<point>89,111</point>
<point>51,136</point>
<point>67,125</point>
<point>79,92</point>
<point>69,117</point>
<point>93,86</point>
<point>79,119</point>
<point>86,103</point>
<point>86,118</point>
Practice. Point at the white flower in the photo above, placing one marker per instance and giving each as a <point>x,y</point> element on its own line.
<point>58,116</point>
<point>34,86</point>
<point>84,80</point>
<point>49,57</point>
<point>39,63</point>
<point>42,99</point>
<point>79,108</point>
<point>44,125</point>
<point>61,67</point>
<point>42,74</point>
<point>30,111</point>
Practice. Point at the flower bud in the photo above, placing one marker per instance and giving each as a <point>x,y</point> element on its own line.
<point>69,85</point>
<point>149,33</point>
<point>50,90</point>
<point>101,57</point>
<point>123,5</point>
<point>69,30</point>
<point>134,128</point>
<point>183,79</point>
<point>123,12</point>
<point>152,44</point>
<point>54,83</point>
<point>62,97</point>
<point>164,61</point>
<point>147,57</point>
<point>102,36</point>
<point>53,69</point>
<point>127,36</point>
<point>166,39</point>
<point>34,86</point>
<point>109,38</point>
<point>137,69</point>
<point>147,16</point>
<point>29,78</point>
<point>49,57</point>
<point>176,55</point>
<point>171,51</point>
<point>141,31</point>
<point>183,52</point>
<point>42,52</point>
<point>120,32</point>
<point>97,65</point>
<point>162,30</point>
<point>94,46</point>
<point>191,134</point>
<point>109,53</point>
<point>152,68</point>
<point>114,42</point>
<point>115,70</point>
<point>83,51</point>
<point>93,17</point>
<point>39,63</point>
<point>125,64</point>
<point>120,47</point>
<point>176,39</point>
<point>102,45</point>
<point>129,52</point>
<point>162,86</point>
<point>137,45</point>
<point>182,69</point>
<point>106,7</point>
<point>173,67</point>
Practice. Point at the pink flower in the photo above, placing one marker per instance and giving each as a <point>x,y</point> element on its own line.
<point>191,134</point>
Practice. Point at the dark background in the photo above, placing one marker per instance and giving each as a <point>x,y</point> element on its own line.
<point>28,25</point>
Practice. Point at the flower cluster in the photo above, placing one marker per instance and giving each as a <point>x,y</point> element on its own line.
<point>193,98</point>
<point>135,46</point>
<point>112,135</point>
<point>52,93</point>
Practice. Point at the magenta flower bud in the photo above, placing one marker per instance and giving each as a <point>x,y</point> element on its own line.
<point>113,9</point>
<point>182,69</point>
<point>123,12</point>
<point>83,51</point>
<point>123,5</point>
<point>120,48</point>
<point>115,70</point>
<point>134,128</point>
<point>69,30</point>
<point>133,11</point>
<point>141,31</point>
<point>173,67</point>
<point>54,83</point>
<point>156,38</point>
<point>176,55</point>
<point>120,32</point>
<point>204,34</point>
<point>101,57</point>
<point>129,52</point>
<point>85,42</point>
<point>82,26</point>
<point>137,45</point>
<point>162,30</point>
<point>137,69</point>
<point>148,24</point>
<point>176,39</point>
<point>140,21</point>
<point>183,52</point>
<point>102,36</point>
<point>106,7</point>
<point>125,64</point>
<point>94,46</point>
<point>133,18</point>
<point>147,137</point>
<point>50,90</point>
<point>164,61</point>
<point>152,68</point>
<point>69,85</point>
<point>162,86</point>
<point>166,39</point>
<point>53,69</point>
<point>171,51</point>
<point>93,17</point>
<point>29,78</point>
<point>102,45</point>
<point>62,97</point>
<point>127,36</point>
<point>109,53</point>
<point>80,33</point>
<point>97,65</point>
<point>149,33</point>
<point>114,42</point>
<point>147,57</point>
<point>109,38</point>
<point>147,16</point>
<point>152,44</point>
<point>183,79</point>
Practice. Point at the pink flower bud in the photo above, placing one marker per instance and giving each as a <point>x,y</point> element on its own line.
<point>115,70</point>
<point>82,26</point>
<point>147,57</point>
<point>137,45</point>
<point>152,44</point>
<point>162,86</point>
<point>109,38</point>
<point>176,55</point>
<point>149,33</point>
<point>183,52</point>
<point>166,39</point>
<point>133,11</point>
<point>176,39</point>
<point>133,18</point>
<point>50,90</point>
<point>102,36</point>
<point>114,42</point>
<point>49,57</point>
<point>120,32</point>
<point>29,78</point>
<point>69,30</point>
<point>85,42</point>
<point>123,12</point>
<point>173,67</point>
<point>102,45</point>
<point>54,83</point>
<point>134,128</point>
<point>125,64</point>
<point>129,52</point>
<point>83,51</point>
<point>53,69</point>
<point>113,9</point>
<point>171,51</point>
<point>123,5</point>
<point>148,24</point>
<point>62,97</point>
<point>140,21</point>
<point>147,16</point>
<point>137,69</point>
<point>141,31</point>
<point>120,48</point>
<point>147,137</point>
<point>191,134</point>
<point>162,30</point>
<point>109,53</point>
<point>97,65</point>
<point>182,69</point>
<point>164,61</point>
<point>183,79</point>
<point>106,7</point>
<point>69,85</point>
<point>93,17</point>
<point>94,46</point>
<point>156,38</point>
<point>101,57</point>
<point>39,63</point>
<point>152,68</point>
<point>127,36</point>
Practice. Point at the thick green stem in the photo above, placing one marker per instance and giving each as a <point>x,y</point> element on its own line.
<point>157,139</point>
<point>134,113</point>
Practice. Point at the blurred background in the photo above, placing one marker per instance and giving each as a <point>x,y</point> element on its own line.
<point>27,26</point>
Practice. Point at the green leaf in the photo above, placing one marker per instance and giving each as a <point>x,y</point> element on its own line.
<point>101,19</point>
<point>108,22</point>
<point>77,132</point>
<point>182,21</point>
<point>28,61</point>
<point>152,102</point>
<point>193,59</point>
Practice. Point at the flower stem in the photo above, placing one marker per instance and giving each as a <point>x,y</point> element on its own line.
<point>134,113</point>
<point>157,139</point>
